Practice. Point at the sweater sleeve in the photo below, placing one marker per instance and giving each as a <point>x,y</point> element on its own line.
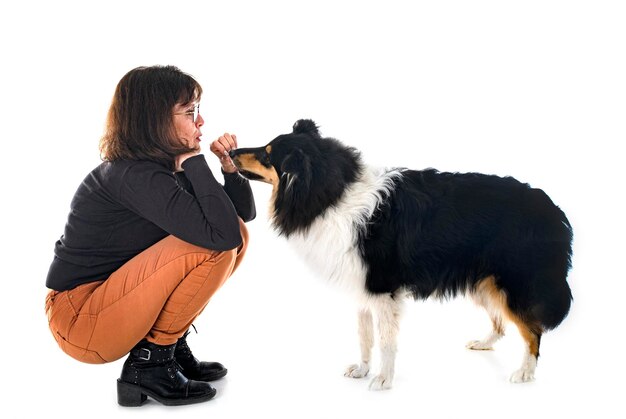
<point>238,190</point>
<point>184,182</point>
<point>207,219</point>
<point>236,187</point>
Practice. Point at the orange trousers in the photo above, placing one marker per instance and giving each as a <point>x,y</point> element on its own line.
<point>156,295</point>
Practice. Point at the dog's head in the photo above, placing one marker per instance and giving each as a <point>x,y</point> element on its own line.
<point>287,156</point>
<point>307,171</point>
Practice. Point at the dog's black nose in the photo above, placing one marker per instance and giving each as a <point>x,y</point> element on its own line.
<point>232,153</point>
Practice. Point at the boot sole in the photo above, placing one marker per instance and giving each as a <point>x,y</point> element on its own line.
<point>133,395</point>
<point>207,378</point>
<point>216,376</point>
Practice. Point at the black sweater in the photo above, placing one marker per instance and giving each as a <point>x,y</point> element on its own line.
<point>124,207</point>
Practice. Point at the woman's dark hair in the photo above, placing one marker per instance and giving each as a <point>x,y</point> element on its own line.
<point>140,121</point>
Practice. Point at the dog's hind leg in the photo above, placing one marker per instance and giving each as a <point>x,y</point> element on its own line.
<point>366,339</point>
<point>490,296</point>
<point>493,301</point>
<point>532,336</point>
<point>388,309</point>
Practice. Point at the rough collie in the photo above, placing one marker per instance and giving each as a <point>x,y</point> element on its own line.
<point>391,234</point>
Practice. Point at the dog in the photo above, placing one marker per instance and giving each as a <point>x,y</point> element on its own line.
<point>389,234</point>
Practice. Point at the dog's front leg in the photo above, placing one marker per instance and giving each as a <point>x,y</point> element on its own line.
<point>366,339</point>
<point>388,310</point>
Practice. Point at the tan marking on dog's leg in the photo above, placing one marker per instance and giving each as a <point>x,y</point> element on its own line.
<point>532,336</point>
<point>366,340</point>
<point>493,301</point>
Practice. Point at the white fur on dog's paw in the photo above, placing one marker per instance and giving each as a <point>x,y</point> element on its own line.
<point>522,376</point>
<point>357,371</point>
<point>479,345</point>
<point>380,382</point>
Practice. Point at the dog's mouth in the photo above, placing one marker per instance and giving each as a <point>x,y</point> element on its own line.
<point>249,166</point>
<point>250,175</point>
<point>243,172</point>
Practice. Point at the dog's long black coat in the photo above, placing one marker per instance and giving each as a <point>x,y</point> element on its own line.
<point>439,233</point>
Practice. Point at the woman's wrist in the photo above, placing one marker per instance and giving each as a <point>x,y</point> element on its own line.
<point>226,168</point>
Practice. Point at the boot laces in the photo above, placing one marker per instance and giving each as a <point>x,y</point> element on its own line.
<point>172,368</point>
<point>182,343</point>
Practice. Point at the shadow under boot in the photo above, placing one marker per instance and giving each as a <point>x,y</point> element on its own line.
<point>151,370</point>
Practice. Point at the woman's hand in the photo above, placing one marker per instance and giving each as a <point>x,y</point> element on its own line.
<point>221,147</point>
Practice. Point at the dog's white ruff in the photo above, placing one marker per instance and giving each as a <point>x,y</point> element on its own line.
<point>329,246</point>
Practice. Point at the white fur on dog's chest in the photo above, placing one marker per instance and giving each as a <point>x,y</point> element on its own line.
<point>329,246</point>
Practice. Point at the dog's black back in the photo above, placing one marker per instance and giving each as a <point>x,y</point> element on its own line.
<point>440,233</point>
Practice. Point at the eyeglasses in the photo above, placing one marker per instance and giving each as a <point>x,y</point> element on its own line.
<point>193,113</point>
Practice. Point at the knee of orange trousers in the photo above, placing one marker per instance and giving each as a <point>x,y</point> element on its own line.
<point>167,329</point>
<point>236,255</point>
<point>241,250</point>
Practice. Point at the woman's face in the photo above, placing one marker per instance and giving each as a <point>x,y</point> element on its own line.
<point>188,130</point>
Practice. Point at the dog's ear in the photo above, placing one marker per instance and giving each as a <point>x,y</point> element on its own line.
<point>306,126</point>
<point>296,167</point>
<point>296,163</point>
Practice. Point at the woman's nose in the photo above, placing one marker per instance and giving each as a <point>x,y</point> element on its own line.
<point>200,121</point>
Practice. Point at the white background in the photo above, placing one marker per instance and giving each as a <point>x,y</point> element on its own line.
<point>532,89</point>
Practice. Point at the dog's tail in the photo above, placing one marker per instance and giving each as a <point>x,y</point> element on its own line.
<point>543,300</point>
<point>555,302</point>
<point>540,292</point>
<point>553,293</point>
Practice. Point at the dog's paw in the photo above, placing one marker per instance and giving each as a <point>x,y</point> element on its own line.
<point>357,371</point>
<point>479,345</point>
<point>522,375</point>
<point>380,382</point>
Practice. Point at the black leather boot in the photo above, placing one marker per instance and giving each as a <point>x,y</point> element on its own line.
<point>150,370</point>
<point>194,369</point>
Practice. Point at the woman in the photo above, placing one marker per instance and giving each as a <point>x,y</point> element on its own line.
<point>150,237</point>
